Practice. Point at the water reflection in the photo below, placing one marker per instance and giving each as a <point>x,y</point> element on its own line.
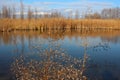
<point>101,47</point>
<point>9,38</point>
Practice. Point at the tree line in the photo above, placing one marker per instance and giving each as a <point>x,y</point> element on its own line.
<point>108,13</point>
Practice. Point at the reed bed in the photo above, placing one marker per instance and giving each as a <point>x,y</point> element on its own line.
<point>59,23</point>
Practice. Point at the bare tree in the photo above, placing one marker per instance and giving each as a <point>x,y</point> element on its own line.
<point>103,13</point>
<point>22,10</point>
<point>13,13</point>
<point>55,14</point>
<point>89,12</point>
<point>111,13</point>
<point>9,12</point>
<point>0,14</point>
<point>70,14</point>
<point>36,14</point>
<point>93,16</point>
<point>5,12</point>
<point>30,13</point>
<point>117,12</point>
<point>77,15</point>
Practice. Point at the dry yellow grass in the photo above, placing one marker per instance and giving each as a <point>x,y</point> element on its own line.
<point>58,23</point>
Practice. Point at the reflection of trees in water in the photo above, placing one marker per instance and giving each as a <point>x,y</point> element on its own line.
<point>114,39</point>
<point>7,38</point>
<point>18,38</point>
<point>95,46</point>
<point>93,69</point>
<point>101,47</point>
<point>54,63</point>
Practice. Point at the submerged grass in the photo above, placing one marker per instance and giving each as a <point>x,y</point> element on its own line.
<point>54,64</point>
<point>58,23</point>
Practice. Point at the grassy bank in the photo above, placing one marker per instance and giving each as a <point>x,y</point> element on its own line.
<point>58,23</point>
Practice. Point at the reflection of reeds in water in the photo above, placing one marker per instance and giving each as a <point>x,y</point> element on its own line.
<point>7,38</point>
<point>54,64</point>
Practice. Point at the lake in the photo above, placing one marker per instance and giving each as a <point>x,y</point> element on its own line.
<point>101,47</point>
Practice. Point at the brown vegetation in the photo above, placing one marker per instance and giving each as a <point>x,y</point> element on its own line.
<point>57,24</point>
<point>54,64</point>
<point>108,19</point>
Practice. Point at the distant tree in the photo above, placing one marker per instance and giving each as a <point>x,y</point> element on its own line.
<point>45,15</point>
<point>13,13</point>
<point>9,12</point>
<point>5,12</point>
<point>30,13</point>
<point>36,14</point>
<point>117,13</point>
<point>77,15</point>
<point>88,12</point>
<point>0,14</point>
<point>105,13</point>
<point>22,10</point>
<point>93,16</point>
<point>70,15</point>
<point>55,14</point>
<point>111,13</point>
<point>96,16</point>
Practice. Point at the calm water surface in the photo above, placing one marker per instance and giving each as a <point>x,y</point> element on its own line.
<point>103,49</point>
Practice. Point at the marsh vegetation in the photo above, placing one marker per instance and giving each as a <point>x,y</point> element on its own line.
<point>54,63</point>
<point>58,24</point>
<point>107,19</point>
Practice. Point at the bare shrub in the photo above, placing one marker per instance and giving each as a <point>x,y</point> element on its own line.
<point>54,64</point>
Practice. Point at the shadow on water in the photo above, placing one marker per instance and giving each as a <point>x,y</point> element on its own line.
<point>63,55</point>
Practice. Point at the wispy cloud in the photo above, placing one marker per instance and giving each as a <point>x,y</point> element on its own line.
<point>5,2</point>
<point>68,10</point>
<point>58,5</point>
<point>78,3</point>
<point>83,4</point>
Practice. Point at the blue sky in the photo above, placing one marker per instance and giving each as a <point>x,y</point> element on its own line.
<point>113,2</point>
<point>64,5</point>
